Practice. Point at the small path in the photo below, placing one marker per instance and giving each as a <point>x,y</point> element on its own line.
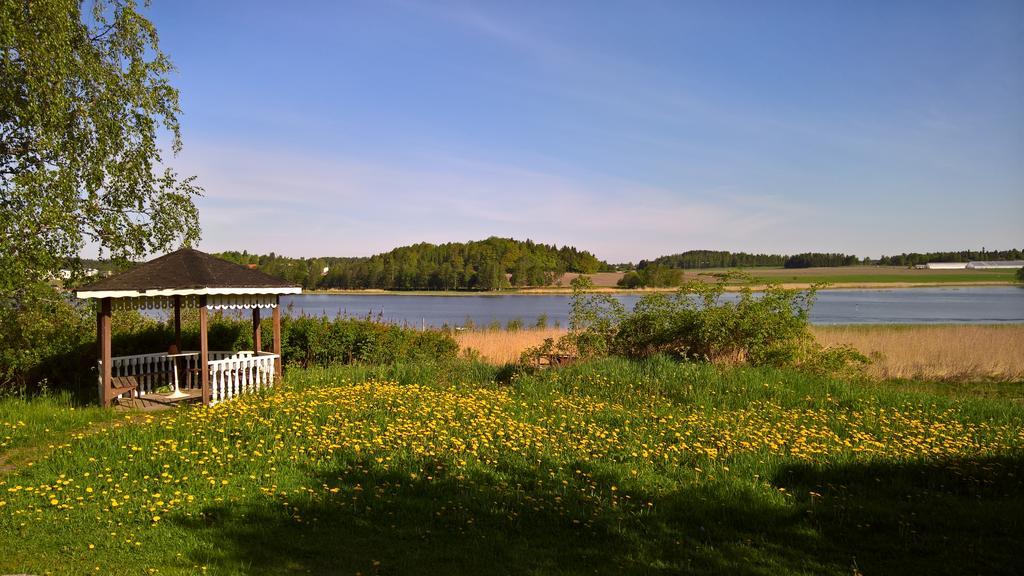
<point>12,459</point>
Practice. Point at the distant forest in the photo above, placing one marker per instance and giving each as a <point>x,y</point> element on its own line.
<point>489,264</point>
<point>698,259</point>
<point>915,258</point>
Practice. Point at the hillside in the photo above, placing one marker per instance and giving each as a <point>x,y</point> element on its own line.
<point>489,264</point>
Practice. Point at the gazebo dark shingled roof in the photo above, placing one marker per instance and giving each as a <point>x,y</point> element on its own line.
<point>186,269</point>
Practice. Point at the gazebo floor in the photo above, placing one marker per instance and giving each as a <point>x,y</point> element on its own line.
<point>155,402</point>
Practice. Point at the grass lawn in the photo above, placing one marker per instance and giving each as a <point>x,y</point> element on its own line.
<point>607,467</point>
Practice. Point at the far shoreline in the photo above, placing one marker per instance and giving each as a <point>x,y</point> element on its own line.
<point>562,291</point>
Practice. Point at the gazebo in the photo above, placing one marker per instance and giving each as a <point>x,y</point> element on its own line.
<point>188,278</point>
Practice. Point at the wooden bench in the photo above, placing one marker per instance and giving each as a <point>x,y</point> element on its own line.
<point>124,384</point>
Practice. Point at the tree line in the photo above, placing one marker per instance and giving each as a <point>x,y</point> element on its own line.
<point>700,259</point>
<point>696,259</point>
<point>915,258</point>
<point>820,260</point>
<point>490,264</point>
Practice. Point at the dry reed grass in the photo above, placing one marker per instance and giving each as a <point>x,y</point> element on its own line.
<point>946,352</point>
<point>502,346</point>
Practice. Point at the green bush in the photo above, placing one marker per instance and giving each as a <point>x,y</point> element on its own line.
<point>593,320</point>
<point>698,323</point>
<point>319,341</point>
<point>46,340</point>
<point>631,279</point>
<point>766,328</point>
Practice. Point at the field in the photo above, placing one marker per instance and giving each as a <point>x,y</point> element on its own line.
<point>860,275</point>
<point>612,467</point>
<point>943,352</point>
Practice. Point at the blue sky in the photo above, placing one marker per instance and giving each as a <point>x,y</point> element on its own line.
<point>631,129</point>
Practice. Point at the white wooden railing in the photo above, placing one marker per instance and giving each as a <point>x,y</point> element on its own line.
<point>231,373</point>
<point>240,374</point>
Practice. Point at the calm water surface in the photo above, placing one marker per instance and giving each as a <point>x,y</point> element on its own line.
<point>1001,304</point>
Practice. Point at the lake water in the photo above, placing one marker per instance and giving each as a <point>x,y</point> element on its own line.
<point>1002,304</point>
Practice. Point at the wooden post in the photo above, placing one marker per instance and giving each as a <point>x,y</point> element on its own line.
<point>277,339</point>
<point>257,337</point>
<point>177,323</point>
<point>99,351</point>
<point>106,358</point>
<point>204,352</point>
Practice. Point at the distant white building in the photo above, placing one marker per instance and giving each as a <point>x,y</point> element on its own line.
<point>995,264</point>
<point>65,274</point>
<point>946,265</point>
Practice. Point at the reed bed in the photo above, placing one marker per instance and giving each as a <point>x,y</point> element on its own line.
<point>944,352</point>
<point>503,346</point>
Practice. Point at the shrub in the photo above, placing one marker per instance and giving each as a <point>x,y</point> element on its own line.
<point>45,341</point>
<point>836,361</point>
<point>630,279</point>
<point>593,319</point>
<point>698,322</point>
<point>319,341</point>
<point>550,348</point>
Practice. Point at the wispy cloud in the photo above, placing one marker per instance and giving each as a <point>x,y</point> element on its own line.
<point>299,204</point>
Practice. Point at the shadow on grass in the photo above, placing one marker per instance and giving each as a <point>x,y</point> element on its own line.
<point>391,524</point>
<point>514,522</point>
<point>953,518</point>
<point>950,517</point>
